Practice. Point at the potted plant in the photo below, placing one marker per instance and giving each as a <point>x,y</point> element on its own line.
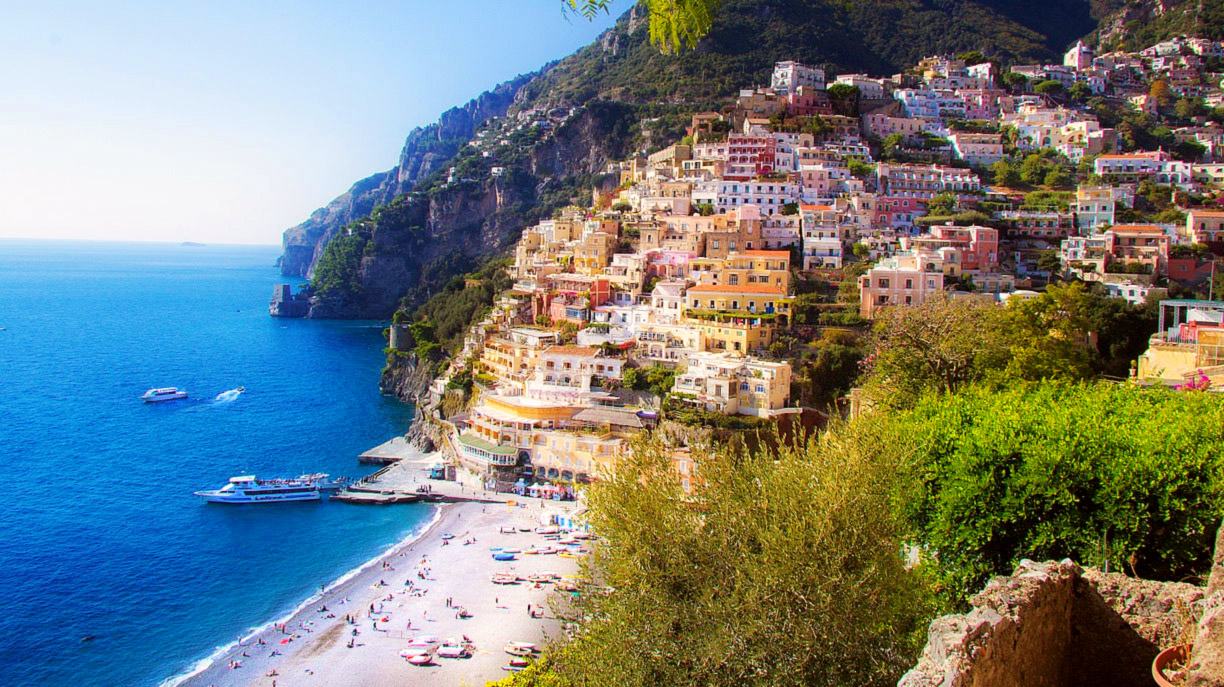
<point>1170,665</point>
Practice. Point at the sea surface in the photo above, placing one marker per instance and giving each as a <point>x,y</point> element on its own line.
<point>99,531</point>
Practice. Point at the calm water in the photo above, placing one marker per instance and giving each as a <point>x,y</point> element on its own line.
<point>99,532</point>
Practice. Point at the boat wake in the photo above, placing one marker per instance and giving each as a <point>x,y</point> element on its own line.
<point>229,396</point>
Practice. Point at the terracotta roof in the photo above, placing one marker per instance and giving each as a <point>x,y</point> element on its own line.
<point>767,253</point>
<point>584,351</point>
<point>1136,227</point>
<point>1126,156</point>
<point>815,207</point>
<point>1206,213</point>
<point>764,289</point>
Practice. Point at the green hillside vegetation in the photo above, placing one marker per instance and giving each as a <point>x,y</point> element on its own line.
<point>747,36</point>
<point>1109,475</point>
<point>1184,18</point>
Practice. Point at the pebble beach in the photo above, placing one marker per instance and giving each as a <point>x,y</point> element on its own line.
<point>412,590</point>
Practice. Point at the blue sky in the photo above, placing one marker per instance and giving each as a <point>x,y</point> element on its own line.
<point>228,122</point>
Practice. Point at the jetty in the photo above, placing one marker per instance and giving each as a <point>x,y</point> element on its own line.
<point>406,479</point>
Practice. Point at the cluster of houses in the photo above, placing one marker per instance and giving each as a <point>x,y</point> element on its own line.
<point>683,270</point>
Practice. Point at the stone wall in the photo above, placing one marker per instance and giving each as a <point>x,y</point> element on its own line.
<point>1052,624</point>
<point>1206,667</point>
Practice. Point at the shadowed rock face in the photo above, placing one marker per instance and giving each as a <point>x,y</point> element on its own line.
<point>1052,624</point>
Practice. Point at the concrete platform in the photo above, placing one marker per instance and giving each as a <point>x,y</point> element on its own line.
<point>394,451</point>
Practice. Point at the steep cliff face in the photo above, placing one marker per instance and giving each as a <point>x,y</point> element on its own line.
<point>414,245</point>
<point>424,151</point>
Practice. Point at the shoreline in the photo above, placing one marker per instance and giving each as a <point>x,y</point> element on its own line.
<point>402,592</point>
<point>252,634</point>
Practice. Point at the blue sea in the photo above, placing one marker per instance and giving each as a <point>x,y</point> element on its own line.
<point>99,531</point>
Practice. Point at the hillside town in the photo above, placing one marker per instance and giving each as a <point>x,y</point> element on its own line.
<point>818,201</point>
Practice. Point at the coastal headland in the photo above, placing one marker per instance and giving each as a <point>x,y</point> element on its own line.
<point>412,590</point>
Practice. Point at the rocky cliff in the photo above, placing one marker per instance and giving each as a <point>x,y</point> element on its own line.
<point>424,150</point>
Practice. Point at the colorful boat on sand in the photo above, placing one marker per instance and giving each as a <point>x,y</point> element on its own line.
<point>503,556</point>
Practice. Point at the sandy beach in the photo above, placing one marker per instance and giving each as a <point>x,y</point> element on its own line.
<point>412,584</point>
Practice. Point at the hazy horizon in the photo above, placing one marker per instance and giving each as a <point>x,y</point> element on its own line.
<point>229,123</point>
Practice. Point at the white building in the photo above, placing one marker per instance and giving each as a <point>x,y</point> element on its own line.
<point>734,384</point>
<point>789,75</point>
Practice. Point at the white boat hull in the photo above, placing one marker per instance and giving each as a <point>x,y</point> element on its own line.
<point>231,497</point>
<point>165,397</point>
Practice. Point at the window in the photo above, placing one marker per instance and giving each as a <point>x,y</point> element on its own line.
<point>883,283</point>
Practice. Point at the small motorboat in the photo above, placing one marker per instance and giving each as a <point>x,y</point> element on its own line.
<point>540,578</point>
<point>424,640</point>
<point>519,662</point>
<point>503,556</point>
<point>448,535</point>
<point>514,650</point>
<point>421,659</point>
<point>511,551</point>
<point>505,578</point>
<point>546,530</point>
<point>415,651</point>
<point>170,393</point>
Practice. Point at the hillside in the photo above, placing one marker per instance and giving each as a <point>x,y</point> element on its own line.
<point>1137,25</point>
<point>611,86</point>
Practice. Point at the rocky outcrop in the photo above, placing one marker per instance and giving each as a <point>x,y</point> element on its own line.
<point>405,378</point>
<point>1054,624</point>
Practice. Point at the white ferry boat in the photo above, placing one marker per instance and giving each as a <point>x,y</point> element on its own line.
<point>170,393</point>
<point>248,489</point>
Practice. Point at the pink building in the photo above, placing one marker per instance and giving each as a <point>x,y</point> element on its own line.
<point>898,212</point>
<point>925,181</point>
<point>900,280</point>
<point>962,249</point>
<point>749,156</point>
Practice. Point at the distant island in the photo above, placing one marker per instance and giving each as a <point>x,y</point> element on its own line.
<point>193,244</point>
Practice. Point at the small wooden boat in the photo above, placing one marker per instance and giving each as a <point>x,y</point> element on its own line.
<point>519,662</point>
<point>448,535</point>
<point>453,651</point>
<point>421,659</point>
<point>516,650</point>
<point>503,556</point>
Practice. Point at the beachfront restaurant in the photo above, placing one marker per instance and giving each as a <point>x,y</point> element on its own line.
<point>485,453</point>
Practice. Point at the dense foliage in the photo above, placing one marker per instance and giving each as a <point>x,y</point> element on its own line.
<point>338,273</point>
<point>1108,475</point>
<point>780,568</point>
<point>450,311</point>
<point>747,36</point>
<point>1068,332</point>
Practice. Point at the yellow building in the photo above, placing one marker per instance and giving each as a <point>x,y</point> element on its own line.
<point>739,318</point>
